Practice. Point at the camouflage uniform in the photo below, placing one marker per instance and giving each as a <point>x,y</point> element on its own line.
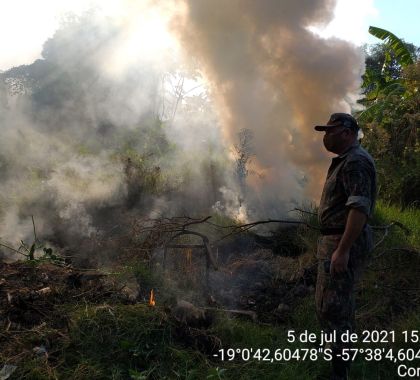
<point>350,183</point>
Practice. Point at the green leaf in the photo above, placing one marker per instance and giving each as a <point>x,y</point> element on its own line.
<point>370,112</point>
<point>402,54</point>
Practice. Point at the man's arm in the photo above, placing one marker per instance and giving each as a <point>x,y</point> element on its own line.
<point>357,181</point>
<point>355,221</point>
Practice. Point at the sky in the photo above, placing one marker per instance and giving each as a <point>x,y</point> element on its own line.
<point>26,24</point>
<point>399,17</point>
<point>353,18</point>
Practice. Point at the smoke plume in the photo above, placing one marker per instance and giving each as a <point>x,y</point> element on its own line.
<point>270,75</point>
<point>110,125</point>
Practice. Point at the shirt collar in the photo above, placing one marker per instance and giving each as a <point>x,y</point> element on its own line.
<point>347,151</point>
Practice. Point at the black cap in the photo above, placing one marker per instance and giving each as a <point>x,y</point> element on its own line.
<point>339,119</point>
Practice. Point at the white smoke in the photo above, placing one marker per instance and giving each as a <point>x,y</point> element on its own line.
<point>111,85</point>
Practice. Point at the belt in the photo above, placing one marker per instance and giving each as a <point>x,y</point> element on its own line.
<point>332,230</point>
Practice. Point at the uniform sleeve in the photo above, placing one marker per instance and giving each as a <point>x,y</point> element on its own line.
<point>357,181</point>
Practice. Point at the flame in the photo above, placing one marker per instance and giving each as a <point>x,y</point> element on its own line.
<point>188,259</point>
<point>152,301</point>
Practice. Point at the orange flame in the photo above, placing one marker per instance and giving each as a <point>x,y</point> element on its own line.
<point>152,301</point>
<point>188,259</point>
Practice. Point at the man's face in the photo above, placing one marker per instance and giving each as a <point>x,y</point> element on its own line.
<point>336,139</point>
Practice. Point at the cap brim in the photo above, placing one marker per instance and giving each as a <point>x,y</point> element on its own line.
<point>323,127</point>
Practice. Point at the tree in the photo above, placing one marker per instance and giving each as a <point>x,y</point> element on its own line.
<point>244,151</point>
<point>383,76</point>
<point>392,115</point>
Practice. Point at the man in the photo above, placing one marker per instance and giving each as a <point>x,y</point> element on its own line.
<point>347,201</point>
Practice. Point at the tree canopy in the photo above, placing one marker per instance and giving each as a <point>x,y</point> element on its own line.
<point>392,115</point>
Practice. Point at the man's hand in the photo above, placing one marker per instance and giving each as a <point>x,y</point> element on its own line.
<point>339,261</point>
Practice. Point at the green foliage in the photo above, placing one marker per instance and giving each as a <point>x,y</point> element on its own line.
<point>402,54</point>
<point>383,80</point>
<point>134,342</point>
<point>388,292</point>
<point>37,251</point>
<point>410,218</point>
<point>392,137</point>
<point>391,117</point>
<point>45,255</point>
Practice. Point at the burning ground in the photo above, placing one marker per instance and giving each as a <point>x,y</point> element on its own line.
<point>146,317</point>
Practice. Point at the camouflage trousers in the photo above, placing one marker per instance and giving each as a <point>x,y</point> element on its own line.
<point>334,295</point>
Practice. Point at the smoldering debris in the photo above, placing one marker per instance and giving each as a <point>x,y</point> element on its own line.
<point>32,295</point>
<point>245,277</point>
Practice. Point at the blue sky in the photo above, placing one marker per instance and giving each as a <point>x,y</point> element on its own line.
<point>399,17</point>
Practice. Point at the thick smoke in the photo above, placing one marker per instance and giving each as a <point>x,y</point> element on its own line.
<point>93,137</point>
<point>270,75</point>
<point>106,127</point>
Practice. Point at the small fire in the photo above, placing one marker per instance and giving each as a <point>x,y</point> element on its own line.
<point>152,301</point>
<point>188,259</point>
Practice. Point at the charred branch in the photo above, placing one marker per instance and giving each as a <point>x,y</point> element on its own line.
<point>177,225</point>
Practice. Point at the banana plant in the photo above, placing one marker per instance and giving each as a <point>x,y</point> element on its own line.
<point>381,86</point>
<point>395,44</point>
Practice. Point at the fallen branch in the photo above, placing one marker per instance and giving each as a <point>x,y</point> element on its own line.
<point>12,249</point>
<point>177,225</point>
<point>393,223</point>
<point>246,227</point>
<point>248,313</point>
<point>303,211</point>
<point>386,228</point>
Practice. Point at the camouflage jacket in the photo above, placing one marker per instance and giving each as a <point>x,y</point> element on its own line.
<point>350,183</point>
